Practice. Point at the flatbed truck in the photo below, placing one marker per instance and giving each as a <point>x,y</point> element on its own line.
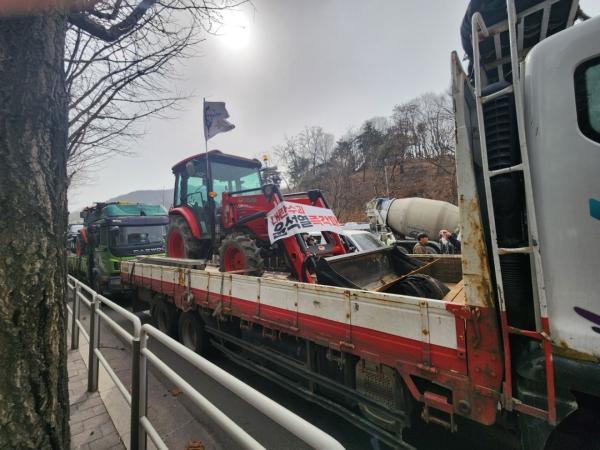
<point>514,345</point>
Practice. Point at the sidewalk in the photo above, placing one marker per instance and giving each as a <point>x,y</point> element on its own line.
<point>166,406</point>
<point>91,426</point>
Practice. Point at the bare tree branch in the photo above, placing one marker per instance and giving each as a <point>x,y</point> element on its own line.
<point>85,22</point>
<point>108,16</point>
<point>113,86</point>
<point>419,132</point>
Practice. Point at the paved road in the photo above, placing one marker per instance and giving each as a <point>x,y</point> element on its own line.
<point>273,436</point>
<point>263,429</point>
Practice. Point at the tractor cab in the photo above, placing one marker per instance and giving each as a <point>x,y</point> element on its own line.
<point>206,185</point>
<point>221,204</point>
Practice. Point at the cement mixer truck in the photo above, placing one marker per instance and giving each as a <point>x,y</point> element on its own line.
<point>400,220</point>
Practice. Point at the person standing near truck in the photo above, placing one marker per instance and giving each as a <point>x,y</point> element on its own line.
<point>422,247</point>
<point>449,244</point>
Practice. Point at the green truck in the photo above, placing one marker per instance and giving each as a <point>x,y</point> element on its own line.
<point>111,233</point>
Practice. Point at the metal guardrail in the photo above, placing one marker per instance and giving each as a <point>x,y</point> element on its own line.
<point>141,427</point>
<point>95,356</point>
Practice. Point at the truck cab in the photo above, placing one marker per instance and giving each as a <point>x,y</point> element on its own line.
<point>562,112</point>
<point>114,232</point>
<point>528,154</point>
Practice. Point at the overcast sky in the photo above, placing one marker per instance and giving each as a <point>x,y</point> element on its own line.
<point>332,63</point>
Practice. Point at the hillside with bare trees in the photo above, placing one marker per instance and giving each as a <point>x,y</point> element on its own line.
<point>410,153</point>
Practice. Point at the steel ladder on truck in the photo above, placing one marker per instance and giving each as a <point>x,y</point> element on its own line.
<point>481,32</point>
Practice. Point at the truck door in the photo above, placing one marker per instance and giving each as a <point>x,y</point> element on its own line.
<point>562,99</point>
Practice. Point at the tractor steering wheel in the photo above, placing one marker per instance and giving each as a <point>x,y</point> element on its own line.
<point>195,192</point>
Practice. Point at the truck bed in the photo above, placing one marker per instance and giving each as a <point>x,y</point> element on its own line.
<point>373,325</point>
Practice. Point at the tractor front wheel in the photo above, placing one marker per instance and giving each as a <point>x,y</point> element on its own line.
<point>239,253</point>
<point>180,241</point>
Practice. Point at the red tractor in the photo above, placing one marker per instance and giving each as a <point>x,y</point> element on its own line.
<point>221,205</point>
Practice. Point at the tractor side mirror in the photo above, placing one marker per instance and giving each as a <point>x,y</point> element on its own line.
<point>268,190</point>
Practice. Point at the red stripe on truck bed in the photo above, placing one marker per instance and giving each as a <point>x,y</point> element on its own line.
<point>364,342</point>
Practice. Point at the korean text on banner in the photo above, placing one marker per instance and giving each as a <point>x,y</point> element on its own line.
<point>288,218</point>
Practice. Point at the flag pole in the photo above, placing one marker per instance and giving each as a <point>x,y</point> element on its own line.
<point>205,139</point>
<point>210,203</point>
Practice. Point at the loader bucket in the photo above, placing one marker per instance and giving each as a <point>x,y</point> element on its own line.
<point>383,270</point>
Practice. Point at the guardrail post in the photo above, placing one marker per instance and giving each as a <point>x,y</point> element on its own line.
<point>74,318</point>
<point>94,342</point>
<point>135,394</point>
<point>142,406</point>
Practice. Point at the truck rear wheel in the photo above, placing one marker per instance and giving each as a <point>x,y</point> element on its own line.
<point>181,243</point>
<point>164,316</point>
<point>239,252</point>
<point>192,333</point>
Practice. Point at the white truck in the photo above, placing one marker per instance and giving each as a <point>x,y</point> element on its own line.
<point>511,344</point>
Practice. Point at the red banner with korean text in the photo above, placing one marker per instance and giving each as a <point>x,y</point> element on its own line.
<point>289,218</point>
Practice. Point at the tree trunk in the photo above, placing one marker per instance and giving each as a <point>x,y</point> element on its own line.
<point>34,406</point>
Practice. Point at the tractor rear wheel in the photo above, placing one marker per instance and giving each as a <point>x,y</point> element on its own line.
<point>239,252</point>
<point>181,243</point>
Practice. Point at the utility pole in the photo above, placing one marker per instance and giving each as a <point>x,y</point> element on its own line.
<point>387,186</point>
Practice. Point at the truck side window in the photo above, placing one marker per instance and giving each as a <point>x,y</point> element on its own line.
<point>587,98</point>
